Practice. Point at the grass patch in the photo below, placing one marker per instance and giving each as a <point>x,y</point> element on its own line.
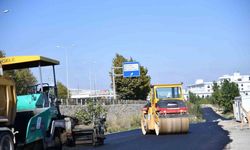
<point>123,124</point>
<point>195,112</point>
<point>135,122</point>
<point>205,101</point>
<point>228,115</point>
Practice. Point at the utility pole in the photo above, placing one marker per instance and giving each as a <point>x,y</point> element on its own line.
<point>113,78</point>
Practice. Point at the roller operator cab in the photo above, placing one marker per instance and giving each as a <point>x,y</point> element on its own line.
<point>166,112</point>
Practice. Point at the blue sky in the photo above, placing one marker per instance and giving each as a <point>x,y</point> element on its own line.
<point>178,41</point>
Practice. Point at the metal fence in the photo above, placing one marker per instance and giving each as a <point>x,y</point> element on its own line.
<point>101,101</point>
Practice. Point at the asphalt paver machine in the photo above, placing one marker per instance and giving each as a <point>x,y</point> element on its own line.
<point>33,120</point>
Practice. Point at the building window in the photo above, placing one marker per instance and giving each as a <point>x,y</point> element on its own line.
<point>208,86</point>
<point>246,93</point>
<point>208,90</point>
<point>241,89</point>
<point>239,79</point>
<point>241,84</point>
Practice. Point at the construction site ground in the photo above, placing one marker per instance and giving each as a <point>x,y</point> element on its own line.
<point>238,133</point>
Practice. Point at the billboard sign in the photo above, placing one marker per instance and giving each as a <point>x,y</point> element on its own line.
<point>131,69</point>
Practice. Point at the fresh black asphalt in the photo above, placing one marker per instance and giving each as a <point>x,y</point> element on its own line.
<point>202,136</point>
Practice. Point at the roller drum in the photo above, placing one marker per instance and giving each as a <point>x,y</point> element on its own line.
<point>144,124</point>
<point>172,125</point>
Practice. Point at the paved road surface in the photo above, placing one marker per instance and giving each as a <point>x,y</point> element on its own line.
<point>202,136</point>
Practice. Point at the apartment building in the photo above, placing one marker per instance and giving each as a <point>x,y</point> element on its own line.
<point>205,89</point>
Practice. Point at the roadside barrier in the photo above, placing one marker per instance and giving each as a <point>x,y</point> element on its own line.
<point>101,101</point>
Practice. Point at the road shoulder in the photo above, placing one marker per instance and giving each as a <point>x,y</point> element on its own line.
<point>240,136</point>
<point>238,133</point>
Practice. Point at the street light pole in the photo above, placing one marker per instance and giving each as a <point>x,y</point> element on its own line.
<point>92,80</point>
<point>67,71</point>
<point>94,68</point>
<point>67,76</point>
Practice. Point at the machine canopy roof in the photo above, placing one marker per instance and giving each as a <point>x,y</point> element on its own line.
<point>21,62</point>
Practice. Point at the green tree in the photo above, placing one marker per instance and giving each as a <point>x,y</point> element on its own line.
<point>229,90</point>
<point>216,95</point>
<point>224,95</point>
<point>131,88</point>
<point>23,79</point>
<point>2,53</point>
<point>62,90</point>
<point>193,98</point>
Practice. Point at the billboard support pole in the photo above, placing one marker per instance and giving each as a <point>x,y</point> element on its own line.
<point>113,79</point>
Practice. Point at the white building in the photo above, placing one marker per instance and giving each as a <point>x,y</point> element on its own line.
<point>243,82</point>
<point>205,89</point>
<point>200,88</point>
<point>79,96</point>
<point>85,94</point>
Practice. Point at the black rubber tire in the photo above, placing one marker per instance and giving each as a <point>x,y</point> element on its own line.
<point>71,142</point>
<point>6,141</point>
<point>101,141</point>
<point>58,142</point>
<point>38,145</point>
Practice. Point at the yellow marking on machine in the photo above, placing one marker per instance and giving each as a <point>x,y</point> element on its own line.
<point>19,62</point>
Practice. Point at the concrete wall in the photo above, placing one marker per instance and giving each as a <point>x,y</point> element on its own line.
<point>114,111</point>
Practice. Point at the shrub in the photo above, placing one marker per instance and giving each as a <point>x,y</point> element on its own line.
<point>135,121</point>
<point>195,109</point>
<point>91,112</point>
